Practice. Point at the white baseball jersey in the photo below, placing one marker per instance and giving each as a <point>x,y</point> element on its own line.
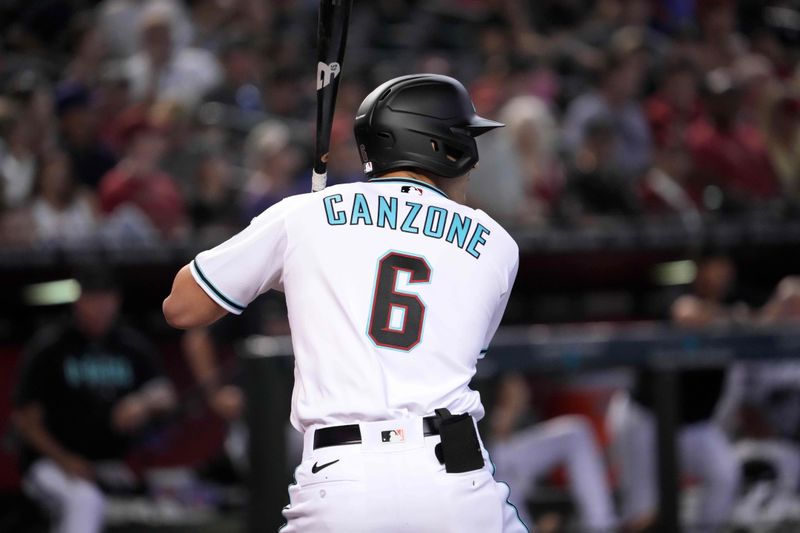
<point>393,292</point>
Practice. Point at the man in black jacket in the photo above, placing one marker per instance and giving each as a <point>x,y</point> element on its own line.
<point>85,387</point>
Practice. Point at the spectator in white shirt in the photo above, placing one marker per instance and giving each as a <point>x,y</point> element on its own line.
<point>62,212</point>
<point>122,38</point>
<point>17,160</point>
<point>162,70</point>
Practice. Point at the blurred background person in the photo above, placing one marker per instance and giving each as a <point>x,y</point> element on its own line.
<point>174,122</point>
<point>675,103</point>
<point>87,386</point>
<point>17,159</point>
<point>111,99</point>
<point>273,161</point>
<point>729,157</point>
<point>704,451</point>
<point>78,134</point>
<point>62,210</point>
<point>213,208</point>
<point>138,181</point>
<point>783,143</point>
<point>240,86</point>
<point>524,157</point>
<point>615,102</point>
<point>719,44</point>
<point>162,68</point>
<point>761,411</point>
<point>117,21</point>
<point>524,453</point>
<point>595,185</point>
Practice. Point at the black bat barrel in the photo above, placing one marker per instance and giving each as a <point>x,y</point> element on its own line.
<point>334,16</point>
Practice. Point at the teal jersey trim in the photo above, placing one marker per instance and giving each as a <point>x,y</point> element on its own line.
<point>212,288</point>
<point>509,495</point>
<point>390,179</point>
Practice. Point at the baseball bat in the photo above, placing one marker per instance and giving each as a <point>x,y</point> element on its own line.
<point>331,40</point>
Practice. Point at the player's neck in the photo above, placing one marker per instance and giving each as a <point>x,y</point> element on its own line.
<point>454,188</point>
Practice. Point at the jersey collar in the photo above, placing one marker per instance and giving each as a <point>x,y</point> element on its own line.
<point>398,179</point>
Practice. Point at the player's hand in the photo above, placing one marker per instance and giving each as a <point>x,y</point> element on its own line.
<point>129,414</point>
<point>227,402</point>
<point>76,466</point>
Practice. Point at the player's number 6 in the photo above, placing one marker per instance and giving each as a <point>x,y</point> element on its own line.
<point>397,317</point>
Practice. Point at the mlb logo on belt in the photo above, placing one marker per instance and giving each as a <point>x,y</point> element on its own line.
<point>410,188</point>
<point>393,435</point>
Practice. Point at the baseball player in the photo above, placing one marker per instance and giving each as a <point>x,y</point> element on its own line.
<point>524,454</point>
<point>704,450</point>
<point>394,289</point>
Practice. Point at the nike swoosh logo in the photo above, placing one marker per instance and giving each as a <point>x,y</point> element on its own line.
<point>315,468</point>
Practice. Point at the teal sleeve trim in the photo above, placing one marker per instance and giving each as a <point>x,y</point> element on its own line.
<point>210,286</point>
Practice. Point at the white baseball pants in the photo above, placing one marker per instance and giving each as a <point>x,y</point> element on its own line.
<point>76,505</point>
<point>566,440</point>
<point>703,450</point>
<point>393,487</point>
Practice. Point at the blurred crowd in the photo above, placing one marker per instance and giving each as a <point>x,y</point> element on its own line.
<point>142,121</point>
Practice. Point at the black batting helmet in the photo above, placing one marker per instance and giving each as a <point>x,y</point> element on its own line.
<point>422,121</point>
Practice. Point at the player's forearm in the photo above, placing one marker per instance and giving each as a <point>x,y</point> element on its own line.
<point>28,422</point>
<point>201,356</point>
<point>188,306</point>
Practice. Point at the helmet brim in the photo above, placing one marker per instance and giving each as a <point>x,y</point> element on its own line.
<point>479,125</point>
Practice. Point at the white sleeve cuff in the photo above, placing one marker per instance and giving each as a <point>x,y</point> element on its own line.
<point>229,304</point>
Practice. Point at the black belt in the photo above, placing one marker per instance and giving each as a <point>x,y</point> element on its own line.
<point>351,433</point>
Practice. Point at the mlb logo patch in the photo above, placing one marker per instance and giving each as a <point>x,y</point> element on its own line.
<point>411,189</point>
<point>393,435</point>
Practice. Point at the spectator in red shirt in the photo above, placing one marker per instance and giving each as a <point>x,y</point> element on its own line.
<point>731,165</point>
<point>676,104</point>
<point>137,180</point>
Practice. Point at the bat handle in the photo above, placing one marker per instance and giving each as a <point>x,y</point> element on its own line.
<point>318,181</point>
